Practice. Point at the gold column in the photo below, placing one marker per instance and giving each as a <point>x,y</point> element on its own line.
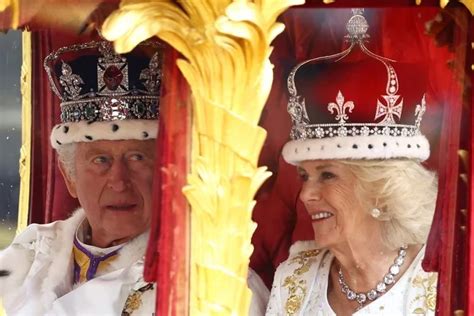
<point>226,49</point>
<point>25,151</point>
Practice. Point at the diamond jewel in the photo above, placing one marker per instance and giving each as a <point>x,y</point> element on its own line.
<point>342,131</point>
<point>394,269</point>
<point>351,295</point>
<point>402,252</point>
<point>114,109</point>
<point>361,298</point>
<point>399,260</point>
<point>389,278</point>
<point>372,294</point>
<point>381,287</point>
<point>76,114</point>
<point>319,132</point>
<point>365,131</point>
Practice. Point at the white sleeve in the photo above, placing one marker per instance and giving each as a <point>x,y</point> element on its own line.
<point>260,294</point>
<point>274,307</point>
<point>16,260</point>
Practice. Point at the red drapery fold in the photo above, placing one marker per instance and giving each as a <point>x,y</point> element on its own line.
<point>168,253</point>
<point>49,199</point>
<point>470,199</point>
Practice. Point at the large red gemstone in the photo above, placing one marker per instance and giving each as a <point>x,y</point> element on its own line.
<point>112,77</point>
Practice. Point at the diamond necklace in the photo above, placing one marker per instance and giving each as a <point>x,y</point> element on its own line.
<point>381,287</point>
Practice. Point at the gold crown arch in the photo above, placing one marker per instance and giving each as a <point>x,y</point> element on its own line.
<point>226,46</point>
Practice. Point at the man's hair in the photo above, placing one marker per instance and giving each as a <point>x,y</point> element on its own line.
<point>66,156</point>
<point>405,193</point>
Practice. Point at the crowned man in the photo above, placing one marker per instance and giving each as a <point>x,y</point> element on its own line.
<point>92,263</point>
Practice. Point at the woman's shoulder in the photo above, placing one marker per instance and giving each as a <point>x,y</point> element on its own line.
<point>422,288</point>
<point>294,277</point>
<point>306,249</point>
<point>302,254</point>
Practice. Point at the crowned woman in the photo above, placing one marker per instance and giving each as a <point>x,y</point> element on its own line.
<point>358,147</point>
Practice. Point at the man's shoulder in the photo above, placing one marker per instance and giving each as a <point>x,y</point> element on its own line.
<point>17,259</point>
<point>34,231</point>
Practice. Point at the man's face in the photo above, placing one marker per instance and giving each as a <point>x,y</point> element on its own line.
<point>113,182</point>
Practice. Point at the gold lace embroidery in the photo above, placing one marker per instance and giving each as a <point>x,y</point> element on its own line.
<point>134,300</point>
<point>296,286</point>
<point>426,281</point>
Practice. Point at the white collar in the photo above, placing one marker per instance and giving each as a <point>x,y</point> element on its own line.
<point>81,232</point>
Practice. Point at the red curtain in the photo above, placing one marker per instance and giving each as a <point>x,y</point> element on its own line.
<point>49,199</point>
<point>168,253</point>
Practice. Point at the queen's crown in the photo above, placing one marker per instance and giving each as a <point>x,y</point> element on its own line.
<point>387,108</point>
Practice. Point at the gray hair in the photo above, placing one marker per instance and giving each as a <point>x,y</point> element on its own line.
<point>66,155</point>
<point>404,191</point>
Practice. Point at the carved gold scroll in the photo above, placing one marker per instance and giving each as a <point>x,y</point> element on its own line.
<point>226,49</point>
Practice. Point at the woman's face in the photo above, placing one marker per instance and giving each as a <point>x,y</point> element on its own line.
<point>338,212</point>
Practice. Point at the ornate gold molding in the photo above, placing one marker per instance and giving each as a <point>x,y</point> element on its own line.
<point>25,151</point>
<point>442,3</point>
<point>14,6</point>
<point>469,4</point>
<point>226,49</point>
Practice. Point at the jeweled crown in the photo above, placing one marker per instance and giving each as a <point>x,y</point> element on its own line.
<point>356,104</point>
<point>388,108</point>
<point>97,84</point>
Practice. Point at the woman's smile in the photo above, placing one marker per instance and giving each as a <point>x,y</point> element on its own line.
<point>320,216</point>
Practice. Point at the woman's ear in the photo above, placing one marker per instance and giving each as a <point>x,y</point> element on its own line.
<point>68,179</point>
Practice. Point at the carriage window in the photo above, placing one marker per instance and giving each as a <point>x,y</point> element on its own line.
<point>10,133</point>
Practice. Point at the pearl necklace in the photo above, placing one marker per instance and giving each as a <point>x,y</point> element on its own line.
<point>380,288</point>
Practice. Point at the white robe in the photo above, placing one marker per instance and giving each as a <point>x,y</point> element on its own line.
<point>40,282</point>
<point>301,282</point>
<point>40,263</point>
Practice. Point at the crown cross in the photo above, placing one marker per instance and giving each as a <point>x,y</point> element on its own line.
<point>340,107</point>
<point>390,110</point>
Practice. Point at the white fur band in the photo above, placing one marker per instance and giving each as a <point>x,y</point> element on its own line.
<point>357,147</point>
<point>84,131</point>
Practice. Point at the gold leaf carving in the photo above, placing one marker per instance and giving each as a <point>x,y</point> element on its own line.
<point>226,49</point>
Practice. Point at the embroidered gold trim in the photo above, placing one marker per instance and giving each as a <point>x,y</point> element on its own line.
<point>428,283</point>
<point>296,286</point>
<point>134,300</point>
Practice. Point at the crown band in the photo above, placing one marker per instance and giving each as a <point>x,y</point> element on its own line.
<point>352,129</point>
<point>110,109</point>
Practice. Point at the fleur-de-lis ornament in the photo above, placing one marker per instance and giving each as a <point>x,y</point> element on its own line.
<point>70,81</point>
<point>341,107</point>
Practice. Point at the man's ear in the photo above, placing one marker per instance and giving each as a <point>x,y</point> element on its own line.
<point>70,183</point>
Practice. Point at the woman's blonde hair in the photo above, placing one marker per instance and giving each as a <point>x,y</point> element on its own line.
<point>405,193</point>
